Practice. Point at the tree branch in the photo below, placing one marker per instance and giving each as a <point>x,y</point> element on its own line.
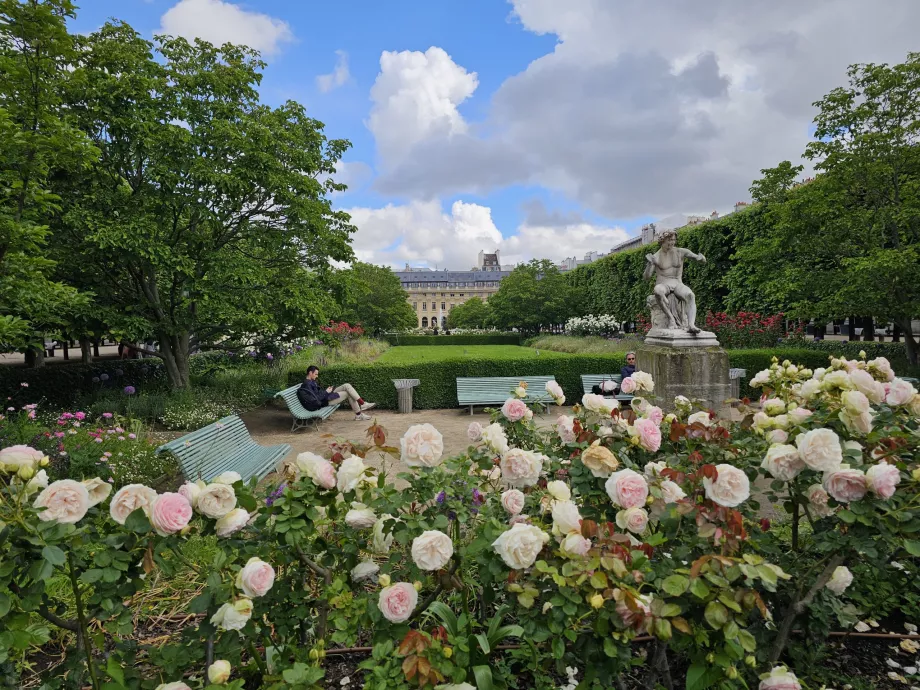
<point>63,623</point>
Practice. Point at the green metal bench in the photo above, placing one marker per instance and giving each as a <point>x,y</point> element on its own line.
<point>302,416</point>
<point>497,389</point>
<point>223,446</point>
<point>588,381</point>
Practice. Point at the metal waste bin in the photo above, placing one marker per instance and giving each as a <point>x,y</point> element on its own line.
<point>404,392</point>
<point>735,376</point>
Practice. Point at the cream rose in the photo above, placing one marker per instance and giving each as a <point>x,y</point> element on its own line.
<point>432,550</point>
<point>520,545</point>
<point>700,418</point>
<point>575,546</point>
<point>914,406</point>
<point>817,501</point>
<point>860,424</point>
<point>779,679</point>
<point>380,540</point>
<point>365,570</point>
<point>474,432</point>
<point>633,519</point>
<point>397,602</point>
<point>520,468</point>
<point>229,477</point>
<point>855,403</point>
<point>231,523</point>
<point>882,479</point>
<point>170,513</point>
<point>360,517</point>
<point>799,415</point>
<point>494,437</point>
<point>644,381</point>
<point>350,473</point>
<point>671,492</point>
<point>513,501</point>
<point>774,406</point>
<point>555,392</point>
<point>810,389</point>
<point>845,484</point>
<point>731,487</point>
<point>216,500</point>
<point>599,459</point>
<point>191,491</point>
<point>777,436</point>
<point>840,580</point>
<point>566,517</point>
<point>13,458</point>
<point>559,490</point>
<point>899,392</point>
<point>783,462</point>
<point>177,685</point>
<point>836,380</point>
<point>820,449</point>
<point>868,386</point>
<point>682,404</point>
<point>318,469</point>
<point>64,501</point>
<point>233,616</point>
<point>219,672</point>
<point>129,498</point>
<point>422,446</point>
<point>97,489</point>
<point>627,489</point>
<point>256,578</point>
<point>599,404</point>
<point>653,469</point>
<point>882,367</point>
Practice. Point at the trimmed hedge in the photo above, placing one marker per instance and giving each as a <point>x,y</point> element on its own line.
<point>472,339</point>
<point>59,385</point>
<point>893,352</point>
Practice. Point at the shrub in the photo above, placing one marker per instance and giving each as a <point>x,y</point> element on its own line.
<point>604,324</point>
<point>191,412</point>
<point>466,339</point>
<point>587,345</point>
<point>745,329</point>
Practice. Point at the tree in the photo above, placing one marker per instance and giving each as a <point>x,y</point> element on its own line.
<point>533,296</point>
<point>206,219</point>
<point>474,313</point>
<point>374,298</point>
<point>36,142</point>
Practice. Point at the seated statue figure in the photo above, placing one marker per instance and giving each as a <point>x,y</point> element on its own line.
<point>676,300</point>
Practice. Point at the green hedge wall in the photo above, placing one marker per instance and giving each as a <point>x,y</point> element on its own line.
<point>894,352</point>
<point>59,385</point>
<point>497,339</point>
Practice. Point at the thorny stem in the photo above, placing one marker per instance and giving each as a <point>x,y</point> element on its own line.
<point>327,579</point>
<point>81,617</point>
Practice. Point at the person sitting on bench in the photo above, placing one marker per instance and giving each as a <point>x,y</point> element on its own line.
<point>312,397</point>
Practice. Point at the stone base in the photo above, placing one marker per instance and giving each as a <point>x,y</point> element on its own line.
<point>678,337</point>
<point>698,373</point>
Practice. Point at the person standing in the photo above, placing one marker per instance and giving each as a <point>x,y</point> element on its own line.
<point>312,397</point>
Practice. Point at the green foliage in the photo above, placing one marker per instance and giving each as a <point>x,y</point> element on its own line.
<point>588,345</point>
<point>471,339</point>
<point>534,295</point>
<point>474,313</point>
<point>374,298</point>
<point>426,353</point>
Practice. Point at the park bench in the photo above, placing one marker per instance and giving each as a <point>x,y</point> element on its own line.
<point>302,416</point>
<point>495,390</point>
<point>588,381</point>
<point>223,446</point>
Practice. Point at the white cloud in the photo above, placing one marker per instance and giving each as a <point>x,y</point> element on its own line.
<point>220,22</point>
<point>355,174</point>
<point>422,234</point>
<point>339,75</point>
<point>641,108</point>
<point>415,97</point>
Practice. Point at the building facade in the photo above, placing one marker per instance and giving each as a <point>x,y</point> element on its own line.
<point>433,293</point>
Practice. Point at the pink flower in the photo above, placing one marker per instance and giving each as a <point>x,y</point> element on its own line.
<point>397,602</point>
<point>777,436</point>
<point>132,436</point>
<point>654,413</point>
<point>514,409</point>
<point>105,415</point>
<point>628,386</point>
<point>634,618</point>
<point>256,578</point>
<point>633,519</point>
<point>64,501</point>
<point>170,513</point>
<point>627,489</point>
<point>899,392</point>
<point>513,501</point>
<point>474,432</point>
<point>882,479</point>
<point>80,415</point>
<point>846,484</point>
<point>574,545</point>
<point>649,434</point>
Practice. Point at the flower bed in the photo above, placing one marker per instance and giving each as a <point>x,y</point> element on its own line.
<point>533,553</point>
<point>463,339</point>
<point>746,329</point>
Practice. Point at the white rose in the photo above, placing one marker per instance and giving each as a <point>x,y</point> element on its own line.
<point>837,379</point>
<point>855,403</point>
<point>513,501</point>
<point>255,578</point>
<point>219,672</point>
<point>858,424</point>
<point>819,374</point>
<point>762,421</point>
<point>868,386</point>
<point>780,678</point>
<point>644,381</point>
<point>774,406</point>
<point>599,404</point>
<point>914,406</point>
<point>731,487</point>
<point>799,415</point>
<point>350,473</point>
<point>64,501</point>
<point>228,477</point>
<point>520,545</point>
<point>216,500</point>
<point>37,483</point>
<point>191,491</point>
<point>318,469</point>
<point>671,492</point>
<point>653,469</point>
<point>760,378</point>
<point>565,427</point>
<point>566,517</point>
<point>810,389</point>
<point>380,541</point>
<point>574,545</point>
<point>559,490</point>
<point>840,580</point>
<point>882,367</point>
<point>177,685</point>
<point>365,570</point>
<point>701,417</point>
<point>783,462</point>
<point>521,468</point>
<point>15,457</point>
<point>233,616</point>
<point>634,520</point>
<point>231,522</point>
<point>817,501</point>
<point>682,404</point>
<point>360,517</point>
<point>521,391</point>
<point>97,489</point>
<point>820,449</point>
<point>432,550</point>
<point>900,392</point>
<point>555,391</point>
<point>474,432</point>
<point>421,446</point>
<point>128,499</point>
<point>494,437</point>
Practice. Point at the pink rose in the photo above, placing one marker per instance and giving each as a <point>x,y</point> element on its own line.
<point>633,519</point>
<point>846,484</point>
<point>474,432</point>
<point>397,602</point>
<point>521,468</point>
<point>565,427</point>
<point>777,436</point>
<point>817,500</point>
<point>649,434</point>
<point>170,513</point>
<point>64,501</point>
<point>655,414</point>
<point>899,392</point>
<point>799,415</point>
<point>513,501</point>
<point>575,546</point>
<point>627,489</point>
<point>628,386</point>
<point>882,479</point>
<point>256,578</point>
<point>514,409</point>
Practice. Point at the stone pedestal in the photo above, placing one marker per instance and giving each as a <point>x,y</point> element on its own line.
<point>699,373</point>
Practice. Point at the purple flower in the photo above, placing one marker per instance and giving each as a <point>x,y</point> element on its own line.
<point>119,372</point>
<point>129,390</point>
<point>441,497</point>
<point>269,357</point>
<point>451,516</point>
<point>275,495</point>
<point>478,498</point>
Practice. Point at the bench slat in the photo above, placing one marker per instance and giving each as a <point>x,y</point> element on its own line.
<point>588,381</point>
<point>496,389</point>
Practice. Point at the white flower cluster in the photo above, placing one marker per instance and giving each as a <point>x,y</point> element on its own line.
<point>603,324</point>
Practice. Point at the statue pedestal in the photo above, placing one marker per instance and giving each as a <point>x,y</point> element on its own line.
<point>678,337</point>
<point>698,373</point>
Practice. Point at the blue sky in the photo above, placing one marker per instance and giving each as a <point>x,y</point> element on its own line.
<point>584,120</point>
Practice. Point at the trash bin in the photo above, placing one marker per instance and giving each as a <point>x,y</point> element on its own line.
<point>404,393</point>
<point>735,376</point>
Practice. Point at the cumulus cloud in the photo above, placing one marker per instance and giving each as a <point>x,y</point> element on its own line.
<point>639,109</point>
<point>421,233</point>
<point>339,75</point>
<point>355,174</point>
<point>220,22</point>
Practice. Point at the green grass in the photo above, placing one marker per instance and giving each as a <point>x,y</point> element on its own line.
<point>437,353</point>
<point>588,345</point>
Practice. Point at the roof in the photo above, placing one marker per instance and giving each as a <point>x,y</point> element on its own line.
<point>449,276</point>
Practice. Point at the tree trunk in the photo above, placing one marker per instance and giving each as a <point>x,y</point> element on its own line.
<point>851,329</point>
<point>35,357</point>
<point>95,348</point>
<point>86,351</point>
<point>896,333</point>
<point>910,344</point>
<point>175,356</point>
<point>869,329</point>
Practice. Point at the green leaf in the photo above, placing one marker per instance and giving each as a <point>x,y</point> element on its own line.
<point>200,603</point>
<point>558,647</point>
<point>92,575</point>
<point>483,675</point>
<point>54,555</point>
<point>483,643</point>
<point>699,588</point>
<point>747,640</point>
<point>137,522</point>
<point>675,585</point>
<point>113,668</point>
<point>700,677</point>
<point>5,603</point>
<point>912,547</point>
<point>847,516</point>
<point>716,614</point>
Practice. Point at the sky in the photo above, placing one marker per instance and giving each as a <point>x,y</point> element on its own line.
<point>543,128</point>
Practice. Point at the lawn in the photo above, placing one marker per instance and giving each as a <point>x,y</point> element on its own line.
<point>434,353</point>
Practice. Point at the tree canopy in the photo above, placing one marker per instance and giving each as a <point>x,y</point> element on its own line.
<point>374,298</point>
<point>474,313</point>
<point>534,295</point>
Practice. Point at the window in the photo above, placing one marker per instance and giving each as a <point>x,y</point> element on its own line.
<point>424,322</point>
<point>415,305</point>
<point>443,305</point>
<point>424,306</point>
<point>461,294</point>
<point>434,305</point>
<point>451,294</point>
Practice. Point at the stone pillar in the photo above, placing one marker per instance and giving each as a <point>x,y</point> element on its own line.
<point>699,373</point>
